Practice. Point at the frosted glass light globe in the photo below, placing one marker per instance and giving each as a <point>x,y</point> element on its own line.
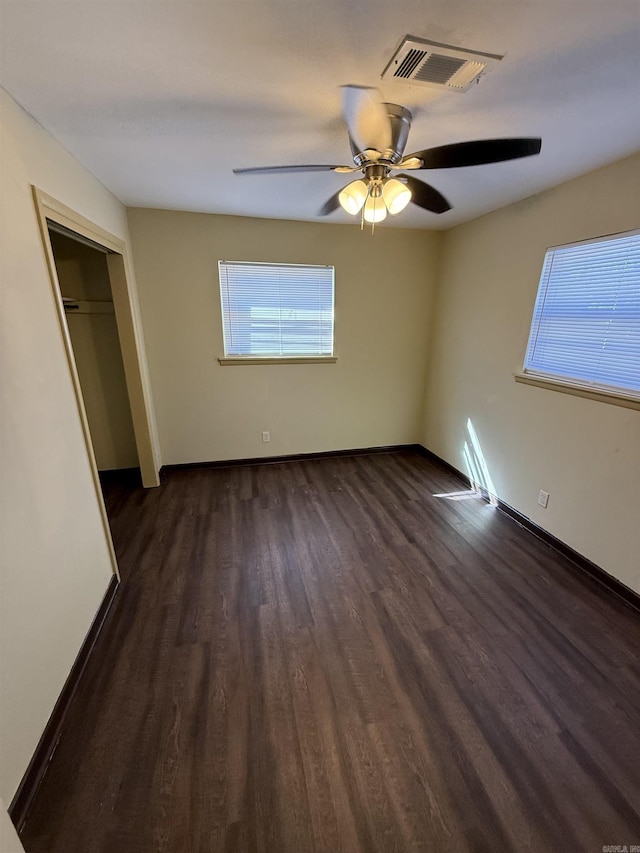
<point>396,195</point>
<point>353,196</point>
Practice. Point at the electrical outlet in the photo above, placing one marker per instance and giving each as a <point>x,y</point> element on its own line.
<point>543,498</point>
<point>266,435</point>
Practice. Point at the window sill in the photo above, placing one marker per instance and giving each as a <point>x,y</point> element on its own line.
<point>228,361</point>
<point>616,398</point>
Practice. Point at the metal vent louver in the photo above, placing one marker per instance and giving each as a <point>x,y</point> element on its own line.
<point>437,65</point>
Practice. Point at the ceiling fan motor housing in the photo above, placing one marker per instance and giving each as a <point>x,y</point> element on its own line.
<point>400,121</point>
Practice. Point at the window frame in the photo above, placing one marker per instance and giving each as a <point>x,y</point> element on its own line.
<point>273,358</point>
<point>569,385</point>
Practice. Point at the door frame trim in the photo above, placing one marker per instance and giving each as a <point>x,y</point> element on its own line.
<point>129,333</point>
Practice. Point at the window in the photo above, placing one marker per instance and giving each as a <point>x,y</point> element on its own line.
<point>585,330</point>
<point>277,311</point>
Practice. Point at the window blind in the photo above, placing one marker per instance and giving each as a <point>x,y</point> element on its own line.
<point>277,310</point>
<point>586,320</point>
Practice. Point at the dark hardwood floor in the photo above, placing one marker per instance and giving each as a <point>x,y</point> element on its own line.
<point>325,656</point>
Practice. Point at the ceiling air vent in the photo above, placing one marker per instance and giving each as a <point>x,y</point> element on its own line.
<point>438,65</point>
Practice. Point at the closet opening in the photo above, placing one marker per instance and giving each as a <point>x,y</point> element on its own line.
<point>87,298</point>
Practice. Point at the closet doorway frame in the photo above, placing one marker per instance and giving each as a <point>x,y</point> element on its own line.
<point>49,209</point>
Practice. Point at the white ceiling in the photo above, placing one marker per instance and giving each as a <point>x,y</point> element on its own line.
<point>160,100</point>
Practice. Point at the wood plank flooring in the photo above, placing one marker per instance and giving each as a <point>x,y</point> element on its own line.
<point>325,656</point>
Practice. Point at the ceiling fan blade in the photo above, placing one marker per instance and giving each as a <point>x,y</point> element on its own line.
<point>366,118</point>
<point>476,153</point>
<point>283,170</point>
<point>330,204</point>
<point>412,162</point>
<point>426,196</point>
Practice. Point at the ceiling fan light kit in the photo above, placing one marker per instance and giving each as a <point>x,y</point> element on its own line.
<point>374,198</point>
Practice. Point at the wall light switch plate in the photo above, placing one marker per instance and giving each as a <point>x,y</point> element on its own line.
<point>266,435</point>
<point>543,498</point>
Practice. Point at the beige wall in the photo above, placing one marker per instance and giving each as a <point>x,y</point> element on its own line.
<point>586,454</point>
<point>9,841</point>
<point>371,397</point>
<point>83,274</point>
<point>54,560</point>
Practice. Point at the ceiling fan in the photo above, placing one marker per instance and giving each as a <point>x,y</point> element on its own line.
<point>378,135</point>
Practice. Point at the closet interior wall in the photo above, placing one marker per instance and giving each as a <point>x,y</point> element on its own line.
<point>86,291</point>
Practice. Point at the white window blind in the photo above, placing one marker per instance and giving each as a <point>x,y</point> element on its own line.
<point>277,310</point>
<point>586,321</point>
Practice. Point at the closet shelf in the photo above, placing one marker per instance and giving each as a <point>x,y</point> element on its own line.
<point>87,306</point>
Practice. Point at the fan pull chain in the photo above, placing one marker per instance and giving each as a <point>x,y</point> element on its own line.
<point>364,205</point>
